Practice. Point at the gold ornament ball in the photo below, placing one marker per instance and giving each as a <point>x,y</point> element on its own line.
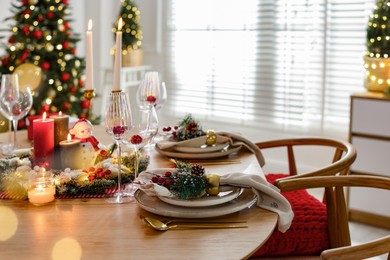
<point>213,181</point>
<point>211,137</point>
<point>29,75</point>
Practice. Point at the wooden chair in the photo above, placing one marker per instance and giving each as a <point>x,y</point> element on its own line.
<point>337,207</point>
<point>314,212</point>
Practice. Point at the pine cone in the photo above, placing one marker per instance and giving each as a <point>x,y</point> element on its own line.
<point>197,169</point>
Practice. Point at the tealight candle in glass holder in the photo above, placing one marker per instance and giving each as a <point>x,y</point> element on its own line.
<point>43,189</point>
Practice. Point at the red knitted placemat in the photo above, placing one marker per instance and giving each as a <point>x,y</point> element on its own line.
<point>308,233</point>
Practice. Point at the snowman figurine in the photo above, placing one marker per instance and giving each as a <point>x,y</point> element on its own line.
<point>90,146</point>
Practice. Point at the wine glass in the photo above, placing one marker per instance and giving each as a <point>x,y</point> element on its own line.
<point>118,123</point>
<point>163,96</point>
<point>148,92</point>
<point>15,103</point>
<point>142,132</point>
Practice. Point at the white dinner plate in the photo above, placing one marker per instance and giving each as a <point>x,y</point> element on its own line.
<point>226,193</point>
<point>154,205</point>
<point>210,155</point>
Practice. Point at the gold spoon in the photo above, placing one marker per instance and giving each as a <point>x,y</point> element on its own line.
<point>204,221</point>
<point>158,225</point>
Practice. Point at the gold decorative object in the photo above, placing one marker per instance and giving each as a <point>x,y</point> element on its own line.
<point>377,73</point>
<point>132,57</point>
<point>89,94</point>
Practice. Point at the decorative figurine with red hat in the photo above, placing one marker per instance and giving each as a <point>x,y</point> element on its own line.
<point>83,131</point>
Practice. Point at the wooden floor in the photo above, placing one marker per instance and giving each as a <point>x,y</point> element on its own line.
<point>362,233</point>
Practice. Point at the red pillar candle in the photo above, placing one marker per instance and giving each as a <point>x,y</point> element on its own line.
<point>30,126</point>
<point>61,127</point>
<point>43,141</point>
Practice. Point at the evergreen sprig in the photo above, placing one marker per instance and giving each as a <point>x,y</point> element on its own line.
<point>188,128</point>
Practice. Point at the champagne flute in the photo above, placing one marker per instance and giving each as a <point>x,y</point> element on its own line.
<point>118,122</point>
<point>15,103</point>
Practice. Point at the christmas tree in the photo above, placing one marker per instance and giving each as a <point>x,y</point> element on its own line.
<point>42,36</point>
<point>378,31</point>
<point>132,34</point>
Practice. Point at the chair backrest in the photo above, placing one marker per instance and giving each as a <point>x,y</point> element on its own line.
<point>335,185</point>
<point>344,156</point>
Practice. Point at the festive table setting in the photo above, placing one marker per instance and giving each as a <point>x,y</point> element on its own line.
<point>109,190</point>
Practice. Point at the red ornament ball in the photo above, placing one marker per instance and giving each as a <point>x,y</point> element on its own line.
<point>25,2</point>
<point>11,40</point>
<point>37,34</point>
<point>81,83</point>
<point>50,15</point>
<point>65,45</point>
<point>45,65</point>
<point>45,108</point>
<point>83,115</point>
<point>40,18</point>
<point>66,106</point>
<point>65,77</point>
<point>4,61</point>
<point>65,2</point>
<point>73,51</point>
<point>26,30</point>
<point>72,89</point>
<point>84,104</point>
<point>67,25</point>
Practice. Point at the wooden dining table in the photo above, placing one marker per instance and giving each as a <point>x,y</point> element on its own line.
<point>91,228</point>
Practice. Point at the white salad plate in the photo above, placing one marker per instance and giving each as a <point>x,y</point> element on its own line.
<point>226,193</point>
<point>154,205</point>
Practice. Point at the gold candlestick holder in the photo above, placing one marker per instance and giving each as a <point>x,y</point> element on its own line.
<point>89,94</point>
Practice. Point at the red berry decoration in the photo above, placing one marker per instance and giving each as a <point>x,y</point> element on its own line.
<point>40,18</point>
<point>168,174</point>
<point>154,179</point>
<point>26,30</point>
<point>45,65</point>
<point>136,139</point>
<point>11,40</point>
<point>151,99</point>
<point>119,130</point>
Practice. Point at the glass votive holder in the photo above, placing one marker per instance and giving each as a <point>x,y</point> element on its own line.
<point>42,189</point>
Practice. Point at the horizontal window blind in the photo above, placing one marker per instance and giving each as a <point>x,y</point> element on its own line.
<point>285,65</point>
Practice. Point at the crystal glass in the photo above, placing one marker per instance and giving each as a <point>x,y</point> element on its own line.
<point>163,96</point>
<point>15,103</point>
<point>118,123</point>
<point>140,135</point>
<point>148,92</point>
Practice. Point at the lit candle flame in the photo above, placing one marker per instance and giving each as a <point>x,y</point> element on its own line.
<point>44,116</point>
<point>69,138</point>
<point>60,113</point>
<point>120,24</point>
<point>90,25</point>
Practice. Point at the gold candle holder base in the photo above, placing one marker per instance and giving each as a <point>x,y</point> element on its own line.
<point>89,94</point>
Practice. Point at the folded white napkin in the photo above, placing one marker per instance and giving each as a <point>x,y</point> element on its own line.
<point>268,196</point>
<point>223,137</point>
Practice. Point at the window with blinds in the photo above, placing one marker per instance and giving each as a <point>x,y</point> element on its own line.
<point>277,65</point>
